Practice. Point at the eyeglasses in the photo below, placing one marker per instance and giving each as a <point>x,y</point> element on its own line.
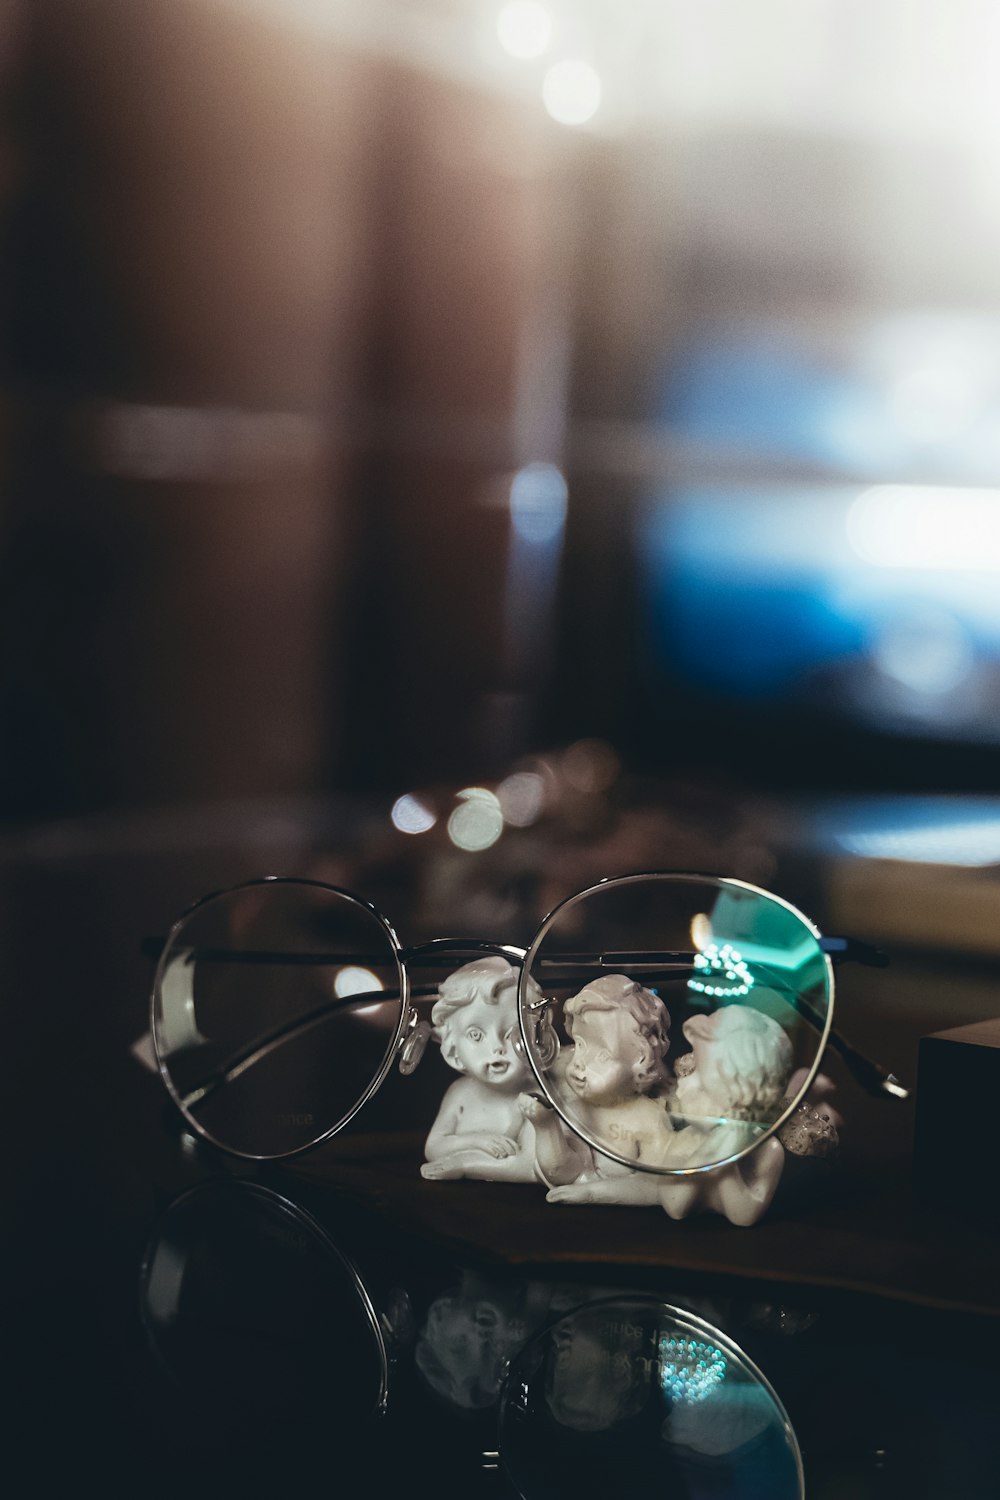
<point>672,1022</point>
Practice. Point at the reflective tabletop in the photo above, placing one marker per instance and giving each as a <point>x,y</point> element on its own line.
<point>182,1323</point>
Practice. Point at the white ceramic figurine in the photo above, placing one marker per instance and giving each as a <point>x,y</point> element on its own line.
<point>480,1131</point>
<point>614,1081</point>
<point>729,1088</point>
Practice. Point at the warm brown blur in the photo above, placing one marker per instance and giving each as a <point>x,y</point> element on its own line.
<point>273,304</point>
<point>397,387</point>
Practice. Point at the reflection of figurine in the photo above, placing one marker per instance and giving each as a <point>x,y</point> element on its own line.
<point>729,1088</point>
<point>619,1033</point>
<point>471,1334</point>
<point>600,1375</point>
<point>730,1419</point>
<point>479,1130</point>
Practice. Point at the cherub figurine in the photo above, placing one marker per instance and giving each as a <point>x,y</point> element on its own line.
<point>613,1078</point>
<point>732,1084</point>
<point>480,1131</point>
<point>729,1088</point>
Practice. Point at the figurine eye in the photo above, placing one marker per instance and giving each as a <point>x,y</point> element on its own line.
<point>475,1034</point>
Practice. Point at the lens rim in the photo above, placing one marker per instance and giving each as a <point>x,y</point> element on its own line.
<point>377,1078</point>
<point>676,877</point>
<point>724,1341</point>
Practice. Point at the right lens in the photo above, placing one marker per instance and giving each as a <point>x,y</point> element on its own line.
<point>276,1010</point>
<point>684,1006</point>
<point>634,1398</point>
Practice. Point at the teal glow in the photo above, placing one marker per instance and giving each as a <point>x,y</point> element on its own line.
<point>726,973</point>
<point>690,1369</point>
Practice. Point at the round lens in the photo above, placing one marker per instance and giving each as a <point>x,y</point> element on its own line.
<point>632,1397</point>
<point>276,1010</point>
<point>683,1018</point>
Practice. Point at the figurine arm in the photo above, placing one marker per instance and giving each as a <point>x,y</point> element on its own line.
<point>741,1193</point>
<point>442,1138</point>
<point>744,1191</point>
<point>678,1196</point>
<point>560,1156</point>
<point>633,1189</point>
<point>446,1135</point>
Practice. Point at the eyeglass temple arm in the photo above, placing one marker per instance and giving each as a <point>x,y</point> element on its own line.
<point>262,1046</point>
<point>434,953</point>
<point>848,950</point>
<point>872,1076</point>
<point>838,949</point>
<point>438,953</point>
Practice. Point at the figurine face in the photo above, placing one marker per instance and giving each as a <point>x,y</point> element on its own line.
<point>606,1047</point>
<point>597,1378</point>
<point>703,1091</point>
<point>481,1043</point>
<point>463,1350</point>
<point>740,1056</point>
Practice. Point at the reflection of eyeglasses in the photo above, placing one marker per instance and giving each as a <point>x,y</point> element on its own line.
<point>258,1315</point>
<point>279,1007</point>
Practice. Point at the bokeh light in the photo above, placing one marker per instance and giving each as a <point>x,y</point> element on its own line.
<point>926,526</point>
<point>538,496</point>
<point>477,821</point>
<point>591,766</point>
<point>571,91</point>
<point>353,980</point>
<point>926,648</point>
<point>524,29</point>
<point>522,798</point>
<point>410,815</point>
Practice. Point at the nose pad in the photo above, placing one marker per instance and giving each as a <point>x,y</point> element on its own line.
<point>414,1045</point>
<point>546,1040</point>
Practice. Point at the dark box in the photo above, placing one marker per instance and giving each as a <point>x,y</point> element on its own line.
<point>957,1137</point>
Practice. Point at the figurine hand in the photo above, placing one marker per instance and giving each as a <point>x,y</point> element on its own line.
<point>573,1192</point>
<point>535,1109</point>
<point>497,1145</point>
<point>585,1190</point>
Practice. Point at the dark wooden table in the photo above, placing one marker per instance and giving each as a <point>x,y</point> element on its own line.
<point>874,1320</point>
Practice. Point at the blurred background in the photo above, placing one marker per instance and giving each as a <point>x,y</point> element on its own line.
<point>458,450</point>
<point>399,391</point>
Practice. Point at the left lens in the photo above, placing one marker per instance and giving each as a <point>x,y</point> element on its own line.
<point>683,1007</point>
<point>277,1007</point>
<point>633,1397</point>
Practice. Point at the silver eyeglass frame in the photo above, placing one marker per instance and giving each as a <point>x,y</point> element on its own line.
<point>409,1036</point>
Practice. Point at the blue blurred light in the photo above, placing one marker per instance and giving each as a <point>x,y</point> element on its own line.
<point>538,498</point>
